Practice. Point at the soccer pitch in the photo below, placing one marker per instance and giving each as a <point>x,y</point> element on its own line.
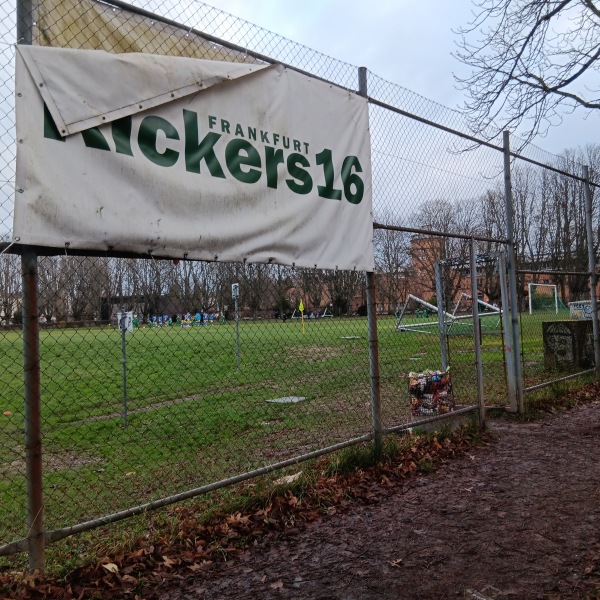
<point>192,417</point>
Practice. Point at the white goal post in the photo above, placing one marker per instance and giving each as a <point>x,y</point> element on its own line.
<point>530,287</point>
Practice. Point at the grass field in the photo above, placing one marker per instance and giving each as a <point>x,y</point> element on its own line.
<point>193,418</point>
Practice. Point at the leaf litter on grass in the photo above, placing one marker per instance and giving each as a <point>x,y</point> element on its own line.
<point>197,545</point>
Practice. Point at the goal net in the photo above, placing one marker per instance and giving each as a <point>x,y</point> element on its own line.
<point>543,297</point>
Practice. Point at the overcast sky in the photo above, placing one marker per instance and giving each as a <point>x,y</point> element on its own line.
<point>408,42</point>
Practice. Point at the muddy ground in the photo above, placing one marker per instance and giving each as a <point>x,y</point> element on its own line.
<point>516,518</point>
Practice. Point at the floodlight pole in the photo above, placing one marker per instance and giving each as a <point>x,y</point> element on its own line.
<point>372,325</point>
<point>592,267</point>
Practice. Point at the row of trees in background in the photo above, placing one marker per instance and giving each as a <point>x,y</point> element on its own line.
<point>549,230</point>
<point>549,221</point>
<point>76,288</point>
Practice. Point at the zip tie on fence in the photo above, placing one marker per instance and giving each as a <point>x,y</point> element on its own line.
<point>17,239</point>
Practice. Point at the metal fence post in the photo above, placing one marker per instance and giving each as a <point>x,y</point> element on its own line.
<point>592,266</point>
<point>372,324</point>
<point>32,399</point>
<point>512,279</point>
<point>123,328</point>
<point>237,335</point>
<point>439,292</point>
<point>506,327</point>
<point>374,362</point>
<point>477,332</point>
<point>31,361</point>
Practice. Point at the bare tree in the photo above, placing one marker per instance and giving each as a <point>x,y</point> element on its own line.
<point>567,240</point>
<point>492,224</point>
<point>225,274</point>
<point>442,216</point>
<point>530,61</point>
<point>532,220</point>
<point>549,220</point>
<point>199,283</point>
<point>144,281</point>
<point>52,302</point>
<point>282,282</point>
<point>343,288</point>
<point>313,285</point>
<point>255,286</point>
<point>392,262</point>
<point>83,281</point>
<point>10,287</point>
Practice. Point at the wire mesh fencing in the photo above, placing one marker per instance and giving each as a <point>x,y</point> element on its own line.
<point>553,237</point>
<point>428,177</point>
<point>193,390</point>
<point>161,379</point>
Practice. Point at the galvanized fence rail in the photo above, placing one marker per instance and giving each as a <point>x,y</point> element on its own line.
<point>149,381</point>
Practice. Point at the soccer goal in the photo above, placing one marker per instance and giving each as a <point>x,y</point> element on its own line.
<point>489,315</point>
<point>544,297</point>
<point>423,311</point>
<point>455,322</point>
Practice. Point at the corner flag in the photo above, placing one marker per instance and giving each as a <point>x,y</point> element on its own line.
<point>301,309</point>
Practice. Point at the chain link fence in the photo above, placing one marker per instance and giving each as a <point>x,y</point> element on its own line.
<point>553,236</point>
<point>163,379</point>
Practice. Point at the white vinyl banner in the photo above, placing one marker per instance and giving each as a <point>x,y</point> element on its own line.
<point>181,157</point>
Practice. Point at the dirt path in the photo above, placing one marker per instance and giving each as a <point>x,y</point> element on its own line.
<point>516,519</point>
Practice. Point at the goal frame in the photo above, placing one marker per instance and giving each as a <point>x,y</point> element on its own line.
<point>530,285</point>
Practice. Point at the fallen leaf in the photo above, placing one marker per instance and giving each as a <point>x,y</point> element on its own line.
<point>277,585</point>
<point>168,562</point>
<point>129,580</point>
<point>238,518</point>
<point>111,567</point>
<point>288,479</point>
